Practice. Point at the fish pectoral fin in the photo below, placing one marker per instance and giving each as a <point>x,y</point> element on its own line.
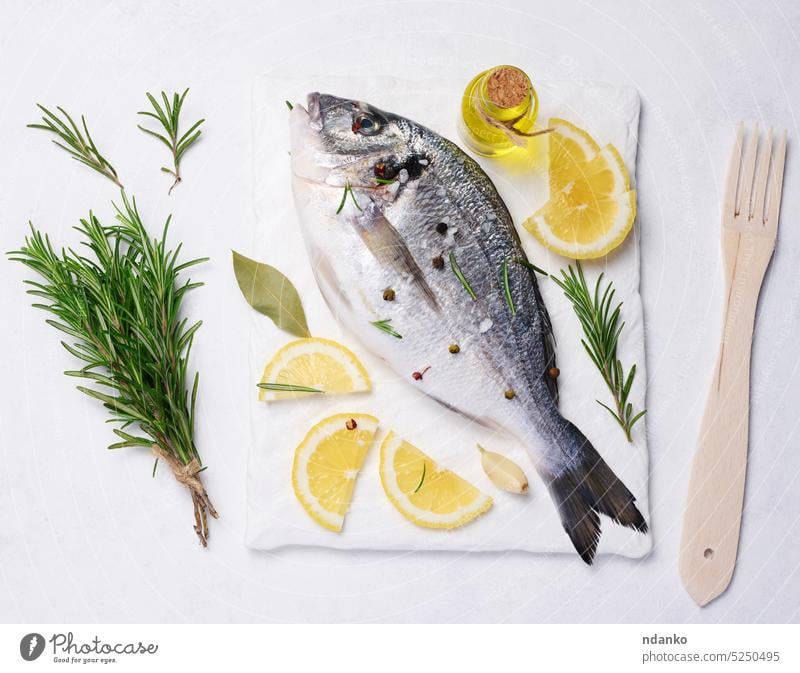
<point>389,248</point>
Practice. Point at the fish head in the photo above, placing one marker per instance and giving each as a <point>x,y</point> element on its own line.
<point>338,141</point>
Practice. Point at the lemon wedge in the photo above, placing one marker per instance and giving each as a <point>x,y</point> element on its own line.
<point>592,207</point>
<point>309,366</point>
<point>569,148</point>
<point>425,493</point>
<point>326,464</point>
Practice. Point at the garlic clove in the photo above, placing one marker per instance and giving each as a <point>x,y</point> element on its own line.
<point>503,472</point>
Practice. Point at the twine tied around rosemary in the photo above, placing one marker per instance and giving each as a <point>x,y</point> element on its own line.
<point>187,475</point>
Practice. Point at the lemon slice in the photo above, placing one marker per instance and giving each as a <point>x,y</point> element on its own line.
<point>592,207</point>
<point>317,364</point>
<point>423,492</point>
<point>326,464</point>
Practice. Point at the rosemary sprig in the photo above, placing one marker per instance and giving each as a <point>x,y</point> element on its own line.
<point>507,288</point>
<point>386,326</point>
<point>289,388</point>
<point>121,309</point>
<point>602,327</point>
<point>80,148</point>
<point>169,117</point>
<point>347,190</point>
<point>461,277</point>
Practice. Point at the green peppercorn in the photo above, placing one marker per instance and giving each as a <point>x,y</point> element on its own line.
<point>509,394</point>
<point>388,294</point>
<point>438,262</point>
<point>454,348</point>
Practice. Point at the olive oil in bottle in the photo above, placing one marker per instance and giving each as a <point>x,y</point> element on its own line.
<point>498,111</point>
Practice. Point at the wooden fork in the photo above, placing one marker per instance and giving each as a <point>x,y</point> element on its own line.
<point>716,488</point>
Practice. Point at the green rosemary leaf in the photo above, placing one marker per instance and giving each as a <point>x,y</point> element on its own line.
<point>347,190</point>
<point>636,417</point>
<point>385,181</point>
<point>602,325</point>
<point>156,135</point>
<point>168,113</point>
<point>79,145</point>
<point>532,267</point>
<point>289,105</point>
<point>422,479</point>
<point>271,293</point>
<point>507,288</point>
<point>342,202</point>
<point>132,440</point>
<point>626,389</point>
<point>386,326</point>
<point>288,387</point>
<point>98,378</point>
<point>459,274</point>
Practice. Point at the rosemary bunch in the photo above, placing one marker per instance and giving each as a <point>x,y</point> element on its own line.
<point>72,140</point>
<point>120,306</point>
<point>602,327</point>
<point>169,118</point>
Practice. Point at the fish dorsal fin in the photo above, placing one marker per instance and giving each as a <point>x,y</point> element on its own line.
<point>389,248</point>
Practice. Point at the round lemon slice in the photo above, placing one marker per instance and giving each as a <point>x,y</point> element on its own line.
<point>326,464</point>
<point>310,366</point>
<point>592,207</point>
<point>425,493</point>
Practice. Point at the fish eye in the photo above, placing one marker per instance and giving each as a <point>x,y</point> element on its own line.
<point>366,125</point>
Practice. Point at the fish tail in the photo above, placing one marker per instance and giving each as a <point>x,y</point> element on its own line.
<point>586,487</point>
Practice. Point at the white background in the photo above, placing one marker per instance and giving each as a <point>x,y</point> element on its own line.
<point>87,535</point>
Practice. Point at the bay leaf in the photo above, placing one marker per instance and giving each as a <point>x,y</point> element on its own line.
<point>271,293</point>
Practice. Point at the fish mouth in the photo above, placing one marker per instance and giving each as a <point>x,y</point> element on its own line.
<point>313,109</point>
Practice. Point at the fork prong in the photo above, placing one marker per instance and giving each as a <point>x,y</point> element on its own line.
<point>748,169</point>
<point>776,186</point>
<point>729,200</point>
<point>760,186</point>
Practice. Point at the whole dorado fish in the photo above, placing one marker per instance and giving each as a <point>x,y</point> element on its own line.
<point>406,230</point>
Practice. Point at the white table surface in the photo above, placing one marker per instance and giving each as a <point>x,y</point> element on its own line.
<point>88,536</point>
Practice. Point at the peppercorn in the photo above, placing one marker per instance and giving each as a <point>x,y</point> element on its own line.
<point>388,294</point>
<point>442,228</point>
<point>554,372</point>
<point>417,376</point>
<point>454,348</point>
<point>351,424</point>
<point>509,394</point>
<point>438,262</point>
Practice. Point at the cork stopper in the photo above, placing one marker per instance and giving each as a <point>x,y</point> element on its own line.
<point>507,87</point>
